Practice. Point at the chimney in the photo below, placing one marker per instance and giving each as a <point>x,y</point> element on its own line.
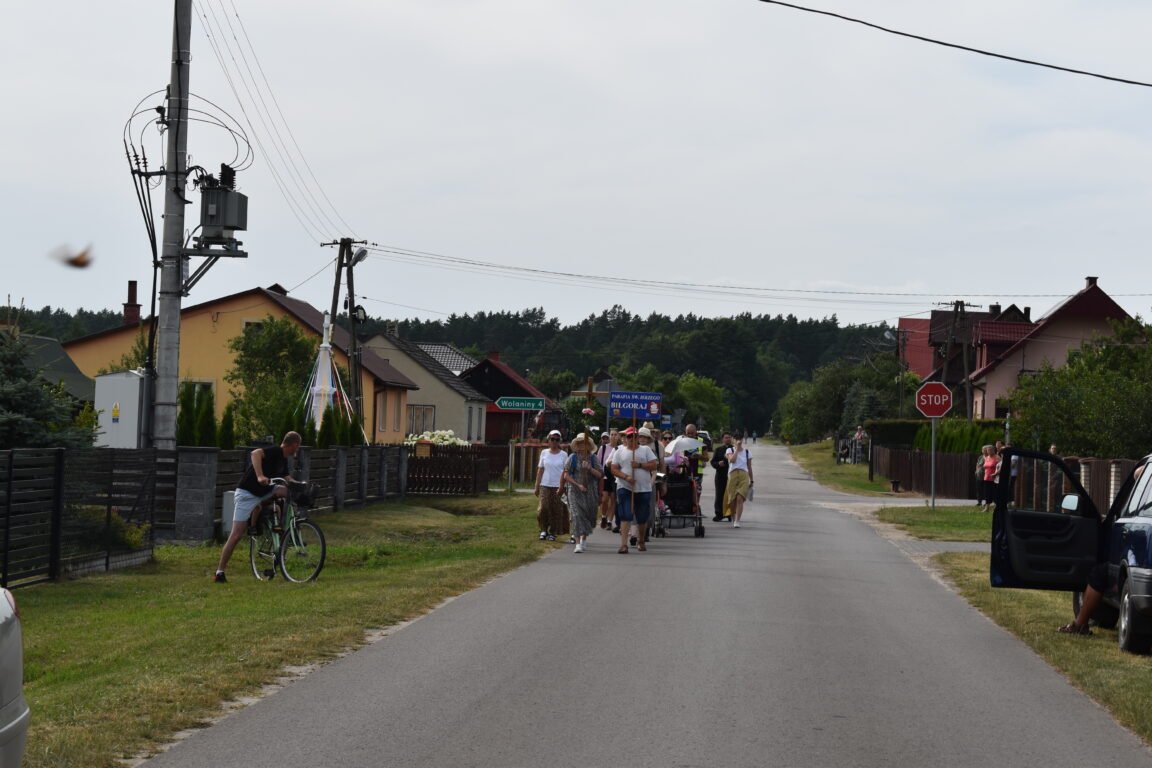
<point>1091,282</point>
<point>494,354</point>
<point>131,308</point>
<point>1028,314</point>
<point>994,309</point>
<point>394,329</point>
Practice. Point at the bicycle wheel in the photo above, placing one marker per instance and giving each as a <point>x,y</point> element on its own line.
<point>302,552</point>
<point>262,555</point>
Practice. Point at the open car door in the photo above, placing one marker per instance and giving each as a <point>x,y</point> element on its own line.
<point>1049,541</point>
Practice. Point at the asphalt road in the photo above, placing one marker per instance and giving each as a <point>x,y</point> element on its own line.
<point>801,639</point>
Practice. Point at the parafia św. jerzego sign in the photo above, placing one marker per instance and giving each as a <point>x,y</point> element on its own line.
<point>639,404</point>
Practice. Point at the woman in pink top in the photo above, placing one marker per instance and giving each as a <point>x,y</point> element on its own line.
<point>991,473</point>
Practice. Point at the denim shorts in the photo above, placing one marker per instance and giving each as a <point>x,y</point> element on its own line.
<point>624,509</point>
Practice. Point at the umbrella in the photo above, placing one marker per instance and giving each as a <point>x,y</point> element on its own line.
<point>683,444</point>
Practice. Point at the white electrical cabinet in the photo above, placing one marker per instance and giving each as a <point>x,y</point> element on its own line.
<point>120,401</point>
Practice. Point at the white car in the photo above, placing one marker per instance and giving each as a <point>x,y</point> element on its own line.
<point>14,714</point>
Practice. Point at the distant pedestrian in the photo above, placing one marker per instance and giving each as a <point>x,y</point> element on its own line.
<point>719,463</point>
<point>753,437</point>
<point>739,479</point>
<point>582,473</point>
<point>991,473</point>
<point>608,443</point>
<point>549,485</point>
<point>633,465</point>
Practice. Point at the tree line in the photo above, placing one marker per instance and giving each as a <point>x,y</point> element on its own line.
<point>753,359</point>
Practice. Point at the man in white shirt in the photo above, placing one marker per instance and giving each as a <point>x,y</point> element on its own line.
<point>633,465</point>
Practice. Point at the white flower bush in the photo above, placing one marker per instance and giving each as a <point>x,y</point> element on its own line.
<point>438,437</point>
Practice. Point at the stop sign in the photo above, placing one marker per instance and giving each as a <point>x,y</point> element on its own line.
<point>933,399</point>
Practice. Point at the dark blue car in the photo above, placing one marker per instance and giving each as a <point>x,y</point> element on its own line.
<point>1057,536</point>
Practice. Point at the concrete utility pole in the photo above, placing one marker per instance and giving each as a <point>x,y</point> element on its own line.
<point>171,260</point>
<point>346,259</point>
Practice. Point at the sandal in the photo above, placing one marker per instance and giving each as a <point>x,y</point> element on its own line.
<point>1072,629</point>
<point>642,548</point>
<point>622,551</point>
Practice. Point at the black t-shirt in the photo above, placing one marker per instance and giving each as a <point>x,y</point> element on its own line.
<point>274,464</point>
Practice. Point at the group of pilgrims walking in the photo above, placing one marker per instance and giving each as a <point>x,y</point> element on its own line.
<point>618,480</point>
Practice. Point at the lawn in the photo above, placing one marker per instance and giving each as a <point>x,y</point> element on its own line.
<point>1119,681</point>
<point>942,523</point>
<point>119,662</point>
<point>818,458</point>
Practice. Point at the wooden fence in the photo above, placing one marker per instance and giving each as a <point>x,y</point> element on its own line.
<point>79,511</point>
<point>1035,486</point>
<point>447,475</point>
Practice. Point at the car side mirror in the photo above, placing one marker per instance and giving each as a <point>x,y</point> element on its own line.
<point>1070,504</point>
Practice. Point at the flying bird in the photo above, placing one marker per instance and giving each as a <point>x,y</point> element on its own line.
<point>69,256</point>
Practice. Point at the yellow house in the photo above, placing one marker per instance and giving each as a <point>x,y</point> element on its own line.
<point>205,358</point>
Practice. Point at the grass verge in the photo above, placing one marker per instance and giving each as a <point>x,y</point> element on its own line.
<point>941,524</point>
<point>818,459</point>
<point>1119,681</point>
<point>119,662</point>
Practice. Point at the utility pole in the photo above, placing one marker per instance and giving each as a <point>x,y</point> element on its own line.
<point>171,260</point>
<point>959,317</point>
<point>346,259</point>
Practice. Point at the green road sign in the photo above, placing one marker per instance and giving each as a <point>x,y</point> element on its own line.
<point>520,403</point>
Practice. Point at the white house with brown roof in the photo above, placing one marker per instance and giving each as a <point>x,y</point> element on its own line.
<point>1026,347</point>
<point>443,400</point>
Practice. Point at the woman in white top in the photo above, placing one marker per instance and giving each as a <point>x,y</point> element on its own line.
<point>549,484</point>
<point>739,479</point>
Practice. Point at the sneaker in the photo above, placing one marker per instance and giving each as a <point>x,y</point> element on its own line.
<point>571,539</point>
<point>578,548</point>
<point>615,529</point>
<point>543,535</point>
<point>735,523</point>
<point>551,537</point>
<point>604,523</point>
<point>1072,629</point>
<point>632,540</point>
<point>220,578</point>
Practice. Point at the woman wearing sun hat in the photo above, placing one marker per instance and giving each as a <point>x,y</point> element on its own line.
<point>582,473</point>
<point>549,484</point>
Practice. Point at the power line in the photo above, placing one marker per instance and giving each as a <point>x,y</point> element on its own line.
<point>959,47</point>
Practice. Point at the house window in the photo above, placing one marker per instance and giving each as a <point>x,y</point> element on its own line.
<point>200,386</point>
<point>421,418</point>
<point>1003,411</point>
<point>381,411</point>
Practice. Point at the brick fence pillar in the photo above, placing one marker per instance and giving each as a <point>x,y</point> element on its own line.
<point>196,494</point>
<point>303,463</point>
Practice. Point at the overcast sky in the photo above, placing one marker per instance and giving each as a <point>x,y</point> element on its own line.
<point>811,162</point>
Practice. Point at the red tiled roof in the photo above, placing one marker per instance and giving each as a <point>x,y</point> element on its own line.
<point>995,331</point>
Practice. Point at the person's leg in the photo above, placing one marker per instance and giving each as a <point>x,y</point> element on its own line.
<point>737,509</point>
<point>718,502</point>
<point>1088,606</point>
<point>623,516</point>
<point>239,528</point>
<point>244,508</point>
<point>642,514</point>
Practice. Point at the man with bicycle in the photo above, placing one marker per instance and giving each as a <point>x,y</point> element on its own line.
<point>253,491</point>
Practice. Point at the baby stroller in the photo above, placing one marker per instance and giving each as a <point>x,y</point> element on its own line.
<point>682,505</point>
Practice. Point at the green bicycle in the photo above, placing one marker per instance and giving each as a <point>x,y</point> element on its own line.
<point>287,540</point>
